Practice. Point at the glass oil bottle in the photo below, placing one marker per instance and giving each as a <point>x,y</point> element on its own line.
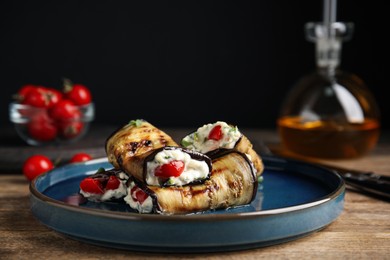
<point>329,113</point>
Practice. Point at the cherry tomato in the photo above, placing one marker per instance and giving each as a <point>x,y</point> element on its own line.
<point>36,165</point>
<point>138,194</point>
<point>80,157</point>
<point>41,127</point>
<point>112,183</point>
<point>216,133</point>
<point>54,96</point>
<point>91,185</point>
<point>65,110</point>
<point>22,92</point>
<point>70,129</point>
<point>37,97</point>
<point>78,93</point>
<point>172,169</point>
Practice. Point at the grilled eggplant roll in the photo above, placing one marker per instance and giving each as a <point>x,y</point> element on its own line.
<point>104,185</point>
<point>212,139</point>
<point>127,147</point>
<point>232,182</point>
<point>169,166</point>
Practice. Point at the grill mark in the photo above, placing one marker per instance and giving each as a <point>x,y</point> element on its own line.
<point>119,160</point>
<point>237,187</point>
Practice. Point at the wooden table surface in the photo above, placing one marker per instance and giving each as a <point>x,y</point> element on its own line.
<point>362,231</point>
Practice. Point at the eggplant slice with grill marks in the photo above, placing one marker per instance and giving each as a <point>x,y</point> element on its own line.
<point>128,146</point>
<point>217,137</point>
<point>232,182</point>
<point>245,146</point>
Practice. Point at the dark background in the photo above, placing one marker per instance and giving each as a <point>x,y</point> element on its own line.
<point>182,63</point>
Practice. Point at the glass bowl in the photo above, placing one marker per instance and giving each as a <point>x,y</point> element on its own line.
<point>36,127</point>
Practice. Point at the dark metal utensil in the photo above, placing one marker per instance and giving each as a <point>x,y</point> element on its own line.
<point>368,183</point>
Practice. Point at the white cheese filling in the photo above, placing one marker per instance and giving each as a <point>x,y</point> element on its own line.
<point>131,199</point>
<point>117,193</point>
<point>91,196</point>
<point>200,142</point>
<point>193,169</point>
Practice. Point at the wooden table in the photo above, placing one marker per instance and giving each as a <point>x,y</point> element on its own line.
<point>362,231</point>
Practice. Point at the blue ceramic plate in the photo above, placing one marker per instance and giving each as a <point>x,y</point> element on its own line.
<point>295,199</point>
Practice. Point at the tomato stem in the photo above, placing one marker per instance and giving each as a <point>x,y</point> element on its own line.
<point>68,85</point>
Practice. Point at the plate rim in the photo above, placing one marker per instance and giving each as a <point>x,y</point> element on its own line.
<point>338,191</point>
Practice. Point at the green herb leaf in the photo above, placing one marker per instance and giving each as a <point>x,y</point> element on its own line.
<point>100,170</point>
<point>233,129</point>
<point>136,123</point>
<point>170,181</point>
<point>186,143</point>
<point>196,136</point>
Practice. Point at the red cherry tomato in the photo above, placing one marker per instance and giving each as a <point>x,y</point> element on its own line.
<point>172,169</point>
<point>54,96</point>
<point>138,194</point>
<point>65,110</point>
<point>78,93</point>
<point>80,157</point>
<point>70,129</point>
<point>91,185</point>
<point>41,127</point>
<point>216,133</point>
<point>22,92</point>
<point>36,165</point>
<point>112,183</point>
<point>37,97</point>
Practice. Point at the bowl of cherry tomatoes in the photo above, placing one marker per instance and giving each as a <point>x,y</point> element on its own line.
<point>45,115</point>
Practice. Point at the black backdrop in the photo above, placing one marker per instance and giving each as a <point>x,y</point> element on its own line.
<point>182,63</point>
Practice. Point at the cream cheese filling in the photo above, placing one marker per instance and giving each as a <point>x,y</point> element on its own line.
<point>193,169</point>
<point>200,142</point>
<point>131,199</point>
<point>117,193</point>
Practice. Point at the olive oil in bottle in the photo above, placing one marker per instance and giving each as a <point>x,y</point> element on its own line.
<point>329,113</point>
